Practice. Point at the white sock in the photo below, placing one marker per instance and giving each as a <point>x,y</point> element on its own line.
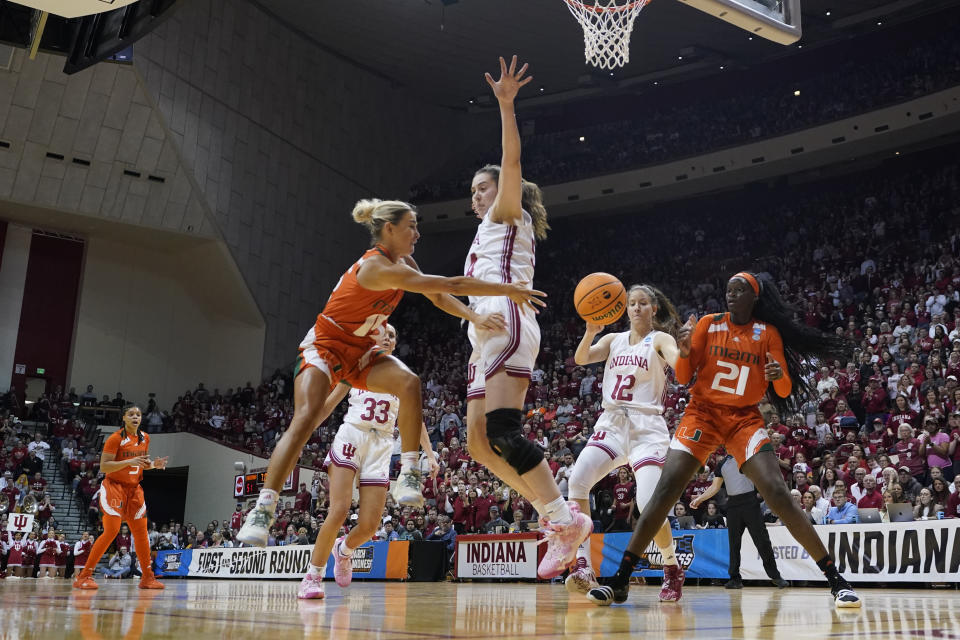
<point>314,570</point>
<point>344,550</point>
<point>583,551</point>
<point>538,506</point>
<point>268,499</point>
<point>408,459</point>
<point>669,554</point>
<point>558,512</point>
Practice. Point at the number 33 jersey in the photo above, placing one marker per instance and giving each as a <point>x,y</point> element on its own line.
<point>634,375</point>
<point>729,360</point>
<point>368,410</point>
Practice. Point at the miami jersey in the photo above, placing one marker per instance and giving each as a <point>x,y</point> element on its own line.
<point>634,376</point>
<point>502,252</point>
<point>729,360</point>
<point>368,410</point>
<point>357,311</point>
<point>124,447</point>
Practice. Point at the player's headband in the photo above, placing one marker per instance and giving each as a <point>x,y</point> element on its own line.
<point>754,284</point>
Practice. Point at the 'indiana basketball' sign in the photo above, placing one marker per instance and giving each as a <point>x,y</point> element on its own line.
<point>505,557</point>
<point>923,551</point>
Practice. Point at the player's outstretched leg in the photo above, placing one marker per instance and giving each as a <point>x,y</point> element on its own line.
<point>677,471</point>
<point>763,471</point>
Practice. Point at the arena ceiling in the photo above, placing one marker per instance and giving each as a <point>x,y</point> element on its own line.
<point>440,48</point>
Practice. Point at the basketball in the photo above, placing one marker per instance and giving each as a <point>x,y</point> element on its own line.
<point>600,298</point>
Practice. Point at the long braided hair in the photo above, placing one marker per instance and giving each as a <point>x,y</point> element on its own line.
<point>801,343</point>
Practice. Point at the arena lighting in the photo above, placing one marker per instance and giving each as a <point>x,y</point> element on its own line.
<point>74,8</point>
<point>797,92</point>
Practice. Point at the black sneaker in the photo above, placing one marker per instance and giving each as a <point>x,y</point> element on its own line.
<point>605,595</point>
<point>845,597</point>
<point>780,583</point>
<point>733,583</point>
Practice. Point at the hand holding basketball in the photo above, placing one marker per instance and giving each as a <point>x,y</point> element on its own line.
<point>593,328</point>
<point>684,336</point>
<point>600,298</point>
<point>506,88</point>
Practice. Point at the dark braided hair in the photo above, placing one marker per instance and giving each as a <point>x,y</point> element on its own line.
<point>800,343</point>
<point>123,427</point>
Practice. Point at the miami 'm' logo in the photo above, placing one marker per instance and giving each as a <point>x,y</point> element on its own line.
<point>349,451</point>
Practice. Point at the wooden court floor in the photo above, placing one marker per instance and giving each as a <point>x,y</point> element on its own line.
<point>269,610</point>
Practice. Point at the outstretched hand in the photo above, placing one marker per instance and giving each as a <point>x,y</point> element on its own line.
<point>160,463</point>
<point>772,370</point>
<point>522,296</point>
<point>684,336</point>
<point>506,88</point>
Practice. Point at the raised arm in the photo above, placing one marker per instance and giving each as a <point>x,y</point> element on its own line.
<point>666,346</point>
<point>690,342</point>
<point>775,369</point>
<point>587,352</point>
<point>507,206</point>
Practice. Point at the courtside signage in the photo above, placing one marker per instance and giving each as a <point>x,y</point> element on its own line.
<point>503,557</point>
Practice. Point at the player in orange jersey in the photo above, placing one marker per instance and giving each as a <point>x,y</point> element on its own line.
<point>342,347</point>
<point>123,460</point>
<point>736,356</point>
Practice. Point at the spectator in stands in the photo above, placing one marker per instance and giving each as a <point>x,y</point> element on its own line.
<point>926,508</point>
<point>120,565</point>
<point>496,523</point>
<point>870,497</point>
<point>935,446</point>
<point>444,533</point>
<point>908,484</point>
<point>842,512</point>
<point>952,508</point>
<point>712,519</point>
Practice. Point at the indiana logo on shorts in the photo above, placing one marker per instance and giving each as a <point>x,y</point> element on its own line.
<point>599,435</point>
<point>349,451</point>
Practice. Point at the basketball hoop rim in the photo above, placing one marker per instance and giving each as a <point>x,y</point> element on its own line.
<point>587,7</point>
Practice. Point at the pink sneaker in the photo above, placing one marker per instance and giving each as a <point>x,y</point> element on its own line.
<point>342,567</point>
<point>673,578</point>
<point>563,540</point>
<point>311,587</point>
<point>581,580</point>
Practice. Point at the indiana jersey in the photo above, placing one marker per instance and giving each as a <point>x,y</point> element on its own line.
<point>502,252</point>
<point>634,375</point>
<point>729,360</point>
<point>368,410</point>
<point>355,310</point>
<point>124,446</point>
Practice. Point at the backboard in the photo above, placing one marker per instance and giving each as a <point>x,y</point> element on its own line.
<point>776,20</point>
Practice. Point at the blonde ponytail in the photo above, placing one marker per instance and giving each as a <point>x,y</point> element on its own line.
<point>374,213</point>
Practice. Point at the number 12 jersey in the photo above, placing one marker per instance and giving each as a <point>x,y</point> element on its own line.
<point>634,375</point>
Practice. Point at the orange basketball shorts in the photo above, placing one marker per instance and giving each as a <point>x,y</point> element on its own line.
<point>705,427</point>
<point>347,360</point>
<point>122,500</point>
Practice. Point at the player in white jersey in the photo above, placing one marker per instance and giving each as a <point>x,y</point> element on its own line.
<point>512,219</point>
<point>360,452</point>
<point>631,430</point>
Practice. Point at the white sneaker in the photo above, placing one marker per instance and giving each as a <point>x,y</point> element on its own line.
<point>256,527</point>
<point>408,489</point>
<point>581,581</point>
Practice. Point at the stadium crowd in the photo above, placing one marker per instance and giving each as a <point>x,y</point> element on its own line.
<point>667,125</point>
<point>876,259</point>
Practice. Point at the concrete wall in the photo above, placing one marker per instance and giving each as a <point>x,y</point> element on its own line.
<point>282,137</point>
<point>162,320</point>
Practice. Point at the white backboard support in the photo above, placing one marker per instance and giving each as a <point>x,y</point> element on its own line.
<point>776,20</point>
<point>74,8</point>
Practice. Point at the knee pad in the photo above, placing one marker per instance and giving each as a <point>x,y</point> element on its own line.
<point>507,441</point>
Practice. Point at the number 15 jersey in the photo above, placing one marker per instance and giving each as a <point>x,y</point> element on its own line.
<point>368,410</point>
<point>729,360</point>
<point>634,375</point>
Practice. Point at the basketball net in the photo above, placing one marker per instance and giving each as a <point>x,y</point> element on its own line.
<point>606,30</point>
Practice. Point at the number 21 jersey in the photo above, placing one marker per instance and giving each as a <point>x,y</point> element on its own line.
<point>368,410</point>
<point>729,360</point>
